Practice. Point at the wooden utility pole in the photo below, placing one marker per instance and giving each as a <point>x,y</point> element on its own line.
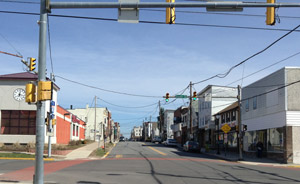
<point>240,125</point>
<point>191,121</point>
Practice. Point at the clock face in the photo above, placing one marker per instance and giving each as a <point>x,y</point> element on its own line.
<point>19,94</point>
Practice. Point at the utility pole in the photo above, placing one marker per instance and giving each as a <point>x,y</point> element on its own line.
<point>41,106</point>
<point>240,125</point>
<point>159,119</point>
<point>95,118</point>
<point>191,121</point>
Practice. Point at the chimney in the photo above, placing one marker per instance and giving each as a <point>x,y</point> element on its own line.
<point>71,107</point>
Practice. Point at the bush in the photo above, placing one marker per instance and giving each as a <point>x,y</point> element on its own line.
<point>74,143</point>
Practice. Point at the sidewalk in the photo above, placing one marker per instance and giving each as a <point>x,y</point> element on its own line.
<point>83,152</point>
<point>234,157</point>
<point>231,156</point>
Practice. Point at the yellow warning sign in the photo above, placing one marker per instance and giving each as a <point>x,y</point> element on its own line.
<point>226,128</point>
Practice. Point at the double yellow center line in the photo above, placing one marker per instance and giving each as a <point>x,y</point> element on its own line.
<point>162,153</point>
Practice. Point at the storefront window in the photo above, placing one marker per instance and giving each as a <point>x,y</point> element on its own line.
<point>275,139</point>
<point>18,122</point>
<point>272,139</point>
<point>232,139</point>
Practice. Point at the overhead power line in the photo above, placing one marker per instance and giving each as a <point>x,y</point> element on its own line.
<point>16,1</point>
<point>287,85</point>
<point>223,75</point>
<point>49,42</point>
<point>136,107</point>
<point>152,22</point>
<point>107,90</point>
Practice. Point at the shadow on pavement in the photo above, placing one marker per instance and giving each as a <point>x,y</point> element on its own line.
<point>88,182</point>
<point>9,181</point>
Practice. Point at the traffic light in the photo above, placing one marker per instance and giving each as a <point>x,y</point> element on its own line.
<point>30,93</point>
<point>167,97</point>
<point>195,96</point>
<point>170,13</point>
<point>32,64</point>
<point>270,19</point>
<point>44,90</point>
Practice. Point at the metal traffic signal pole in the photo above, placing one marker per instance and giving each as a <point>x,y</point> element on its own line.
<point>40,112</point>
<point>46,5</point>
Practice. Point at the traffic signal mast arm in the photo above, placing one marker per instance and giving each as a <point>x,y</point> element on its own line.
<point>75,5</point>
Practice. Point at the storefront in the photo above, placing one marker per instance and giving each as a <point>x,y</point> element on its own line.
<point>272,141</point>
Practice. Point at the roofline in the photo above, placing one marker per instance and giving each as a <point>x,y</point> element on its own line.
<point>71,113</point>
<point>283,68</point>
<point>210,86</point>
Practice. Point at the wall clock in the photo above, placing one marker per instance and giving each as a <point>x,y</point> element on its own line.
<point>19,94</point>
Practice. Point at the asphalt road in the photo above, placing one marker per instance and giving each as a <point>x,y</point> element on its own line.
<point>147,163</point>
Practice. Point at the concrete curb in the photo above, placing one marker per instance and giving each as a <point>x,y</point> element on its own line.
<point>12,158</point>
<point>108,152</point>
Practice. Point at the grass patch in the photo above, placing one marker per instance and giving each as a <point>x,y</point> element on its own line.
<point>100,152</point>
<point>16,155</point>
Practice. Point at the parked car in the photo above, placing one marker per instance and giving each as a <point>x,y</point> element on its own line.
<point>171,142</point>
<point>122,139</point>
<point>191,146</point>
<point>156,139</point>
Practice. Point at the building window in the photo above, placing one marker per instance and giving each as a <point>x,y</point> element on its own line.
<point>223,118</point>
<point>74,130</point>
<point>233,115</point>
<point>228,117</point>
<point>254,103</point>
<point>18,122</point>
<point>247,105</point>
<point>275,139</point>
<point>77,131</point>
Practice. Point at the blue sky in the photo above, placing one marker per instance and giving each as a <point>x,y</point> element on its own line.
<point>147,59</point>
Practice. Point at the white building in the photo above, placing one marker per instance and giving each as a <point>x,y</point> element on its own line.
<point>136,133</point>
<point>271,111</point>
<point>18,118</point>
<point>96,119</point>
<point>168,122</point>
<point>212,99</point>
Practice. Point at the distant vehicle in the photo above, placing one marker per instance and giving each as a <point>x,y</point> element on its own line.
<point>156,139</point>
<point>171,142</point>
<point>122,139</point>
<point>191,146</point>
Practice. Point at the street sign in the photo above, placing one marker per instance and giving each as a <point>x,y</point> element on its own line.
<point>181,96</point>
<point>226,128</point>
<point>128,15</point>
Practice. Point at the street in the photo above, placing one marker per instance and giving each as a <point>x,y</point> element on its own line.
<point>137,162</point>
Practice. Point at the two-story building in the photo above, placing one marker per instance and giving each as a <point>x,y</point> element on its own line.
<point>97,121</point>
<point>211,100</point>
<point>271,111</point>
<point>18,118</point>
<point>227,117</point>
